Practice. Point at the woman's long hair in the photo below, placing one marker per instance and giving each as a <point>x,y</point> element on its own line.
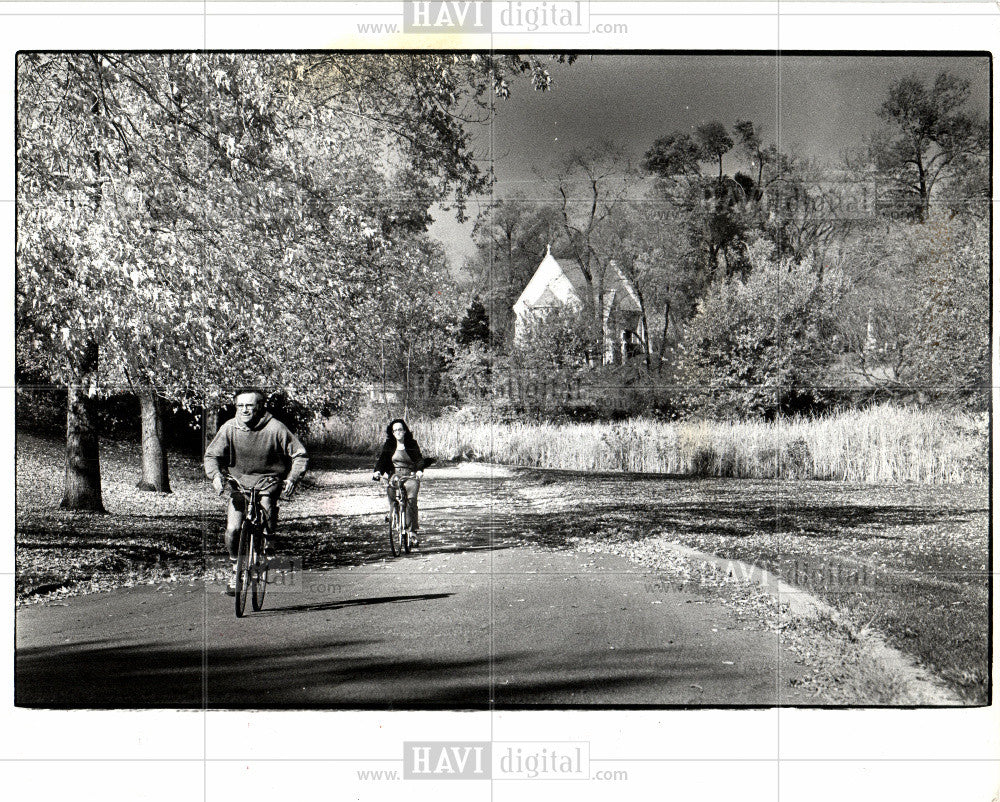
<point>390,438</point>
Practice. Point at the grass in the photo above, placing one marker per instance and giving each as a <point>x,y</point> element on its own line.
<point>843,664</point>
<point>909,562</point>
<point>148,537</point>
<point>882,444</point>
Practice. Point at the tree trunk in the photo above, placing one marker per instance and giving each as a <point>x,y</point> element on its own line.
<point>210,425</point>
<point>154,452</point>
<point>602,334</point>
<point>645,334</point>
<point>83,460</point>
<point>406,385</point>
<point>924,192</point>
<point>663,339</point>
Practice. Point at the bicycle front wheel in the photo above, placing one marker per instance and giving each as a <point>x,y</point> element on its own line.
<point>396,531</point>
<point>243,570</point>
<point>258,572</point>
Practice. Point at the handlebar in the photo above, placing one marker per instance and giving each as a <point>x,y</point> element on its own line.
<point>236,487</point>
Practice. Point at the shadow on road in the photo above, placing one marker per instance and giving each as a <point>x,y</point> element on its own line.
<point>343,673</point>
<point>337,605</point>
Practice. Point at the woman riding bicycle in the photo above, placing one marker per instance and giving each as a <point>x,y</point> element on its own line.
<point>401,456</point>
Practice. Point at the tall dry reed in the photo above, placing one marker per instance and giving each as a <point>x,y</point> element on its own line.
<point>881,444</point>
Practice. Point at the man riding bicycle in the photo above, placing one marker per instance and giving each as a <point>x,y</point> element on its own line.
<point>258,451</point>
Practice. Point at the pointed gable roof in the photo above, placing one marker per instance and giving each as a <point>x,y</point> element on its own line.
<point>546,300</point>
<point>551,282</point>
<point>556,283</point>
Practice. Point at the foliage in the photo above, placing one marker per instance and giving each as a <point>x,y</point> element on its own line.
<point>551,340</point>
<point>475,326</point>
<point>714,142</point>
<point>645,242</point>
<point>469,375</point>
<point>412,314</point>
<point>191,221</point>
<point>928,136</point>
<point>913,319</point>
<point>801,206</point>
<point>762,345</point>
<point>551,351</point>
<point>510,234</point>
<point>170,202</point>
<point>713,209</point>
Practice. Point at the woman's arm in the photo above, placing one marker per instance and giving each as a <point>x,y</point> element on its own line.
<point>384,462</point>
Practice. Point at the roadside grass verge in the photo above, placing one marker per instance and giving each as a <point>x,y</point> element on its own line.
<point>150,537</point>
<point>843,665</point>
<point>882,444</point>
<point>909,562</point>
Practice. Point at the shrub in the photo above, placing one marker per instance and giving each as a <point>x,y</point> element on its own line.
<point>469,373</point>
<point>762,345</point>
<point>915,317</point>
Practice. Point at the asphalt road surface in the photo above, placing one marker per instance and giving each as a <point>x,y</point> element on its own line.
<point>466,628</point>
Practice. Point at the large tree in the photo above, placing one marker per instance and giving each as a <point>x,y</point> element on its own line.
<point>713,207</point>
<point>511,235</point>
<point>929,135</point>
<point>590,186</point>
<point>800,205</point>
<point>645,242</point>
<point>133,240</point>
<point>172,209</point>
<point>913,320</point>
<point>765,343</point>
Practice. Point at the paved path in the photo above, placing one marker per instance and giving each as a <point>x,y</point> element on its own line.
<point>464,627</point>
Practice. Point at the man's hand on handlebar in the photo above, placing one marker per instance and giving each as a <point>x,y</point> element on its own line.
<point>219,483</point>
<point>287,489</point>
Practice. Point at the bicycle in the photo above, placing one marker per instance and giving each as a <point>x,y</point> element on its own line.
<point>399,532</point>
<point>251,559</point>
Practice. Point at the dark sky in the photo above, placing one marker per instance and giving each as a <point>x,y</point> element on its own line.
<point>827,105</point>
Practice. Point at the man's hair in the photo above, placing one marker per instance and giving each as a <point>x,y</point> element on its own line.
<point>247,390</point>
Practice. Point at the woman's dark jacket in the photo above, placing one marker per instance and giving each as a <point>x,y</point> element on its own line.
<point>384,464</point>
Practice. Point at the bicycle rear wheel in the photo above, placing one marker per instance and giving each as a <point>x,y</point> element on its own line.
<point>258,572</point>
<point>243,570</point>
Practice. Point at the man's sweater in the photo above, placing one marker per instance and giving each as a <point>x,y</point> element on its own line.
<point>258,455</point>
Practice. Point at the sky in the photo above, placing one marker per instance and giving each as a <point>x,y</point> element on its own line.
<point>816,106</point>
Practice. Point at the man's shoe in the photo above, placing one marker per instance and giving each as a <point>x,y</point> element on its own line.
<point>231,586</point>
<point>414,540</point>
